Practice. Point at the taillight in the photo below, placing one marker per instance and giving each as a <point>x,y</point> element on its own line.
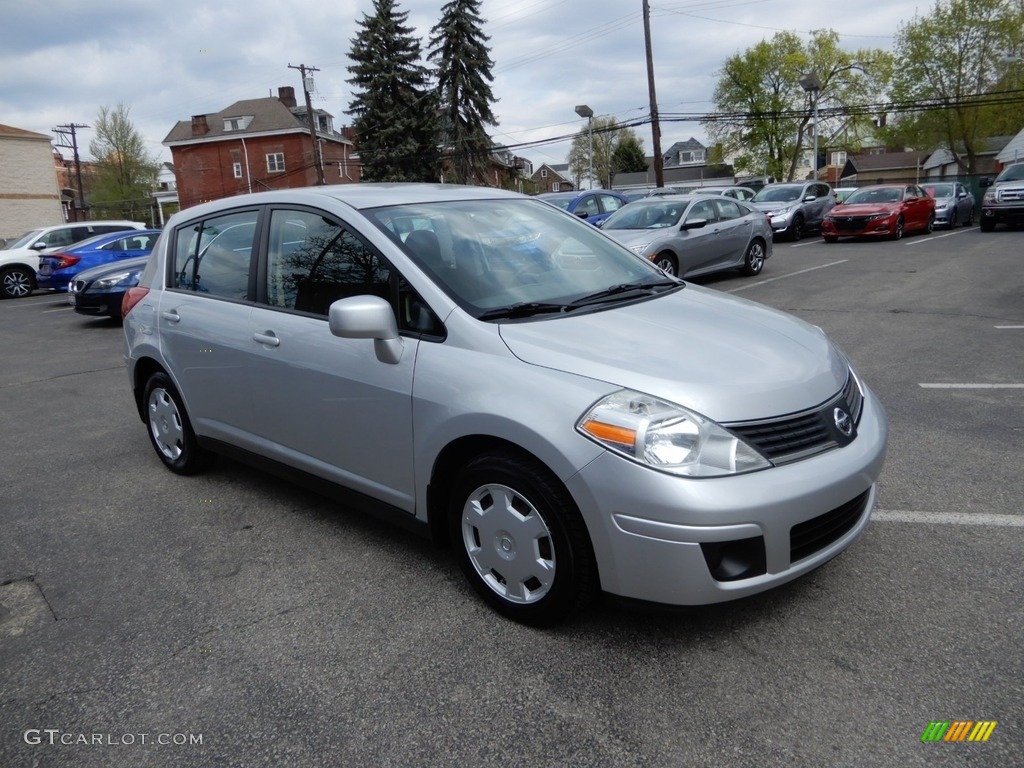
<point>132,297</point>
<point>65,260</point>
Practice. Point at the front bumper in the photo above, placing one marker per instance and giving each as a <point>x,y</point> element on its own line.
<point>679,541</point>
<point>1003,213</point>
<point>874,228</point>
<point>106,303</point>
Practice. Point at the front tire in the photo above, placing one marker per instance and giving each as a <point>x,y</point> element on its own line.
<point>16,283</point>
<point>797,230</point>
<point>897,233</point>
<point>753,262</point>
<point>666,262</point>
<point>930,226</point>
<point>170,430</point>
<point>520,540</point>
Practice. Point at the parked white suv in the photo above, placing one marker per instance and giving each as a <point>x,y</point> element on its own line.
<point>19,262</point>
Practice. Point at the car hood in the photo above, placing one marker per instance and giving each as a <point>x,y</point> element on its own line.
<point>863,209</point>
<point>766,207</point>
<point>727,358</point>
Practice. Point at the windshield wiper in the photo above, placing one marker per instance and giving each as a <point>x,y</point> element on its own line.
<point>524,309</point>
<point>621,288</point>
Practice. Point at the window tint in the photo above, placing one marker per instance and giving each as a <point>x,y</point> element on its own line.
<point>727,209</point>
<point>587,205</point>
<point>103,229</point>
<point>63,237</point>
<point>610,203</point>
<point>213,256</point>
<point>702,210</point>
<point>313,261</point>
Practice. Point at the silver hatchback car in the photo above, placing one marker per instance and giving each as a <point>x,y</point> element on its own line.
<point>509,380</point>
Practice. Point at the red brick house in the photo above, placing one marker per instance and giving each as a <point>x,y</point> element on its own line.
<point>255,145</point>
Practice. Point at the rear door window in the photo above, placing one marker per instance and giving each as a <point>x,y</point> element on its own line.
<point>214,256</point>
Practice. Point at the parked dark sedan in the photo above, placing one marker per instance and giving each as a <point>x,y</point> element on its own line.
<point>881,210</point>
<point>99,291</point>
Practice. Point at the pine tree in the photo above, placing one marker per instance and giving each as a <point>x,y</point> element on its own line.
<point>458,46</point>
<point>393,104</point>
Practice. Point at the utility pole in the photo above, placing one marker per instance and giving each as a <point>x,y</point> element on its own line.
<point>318,159</point>
<point>66,132</point>
<point>659,161</point>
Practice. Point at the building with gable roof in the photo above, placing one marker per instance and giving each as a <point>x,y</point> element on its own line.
<point>254,145</point>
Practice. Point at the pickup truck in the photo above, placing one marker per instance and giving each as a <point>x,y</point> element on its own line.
<point>1004,199</point>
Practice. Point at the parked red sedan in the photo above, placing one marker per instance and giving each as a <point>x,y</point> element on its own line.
<point>882,210</point>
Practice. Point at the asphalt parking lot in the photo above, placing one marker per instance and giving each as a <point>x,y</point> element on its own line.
<point>148,619</point>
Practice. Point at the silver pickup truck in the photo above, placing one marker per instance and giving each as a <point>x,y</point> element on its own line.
<point>1004,199</point>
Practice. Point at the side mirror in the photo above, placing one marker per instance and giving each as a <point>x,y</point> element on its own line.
<point>367,317</point>
<point>581,214</point>
<point>38,246</point>
<point>694,224</point>
<point>810,199</point>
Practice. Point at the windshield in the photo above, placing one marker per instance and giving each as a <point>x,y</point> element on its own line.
<point>875,196</point>
<point>777,195</point>
<point>492,254</point>
<point>940,190</point>
<point>1012,173</point>
<point>654,214</point>
<point>24,240</point>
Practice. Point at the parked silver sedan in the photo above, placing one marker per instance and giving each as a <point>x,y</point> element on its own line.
<point>500,376</point>
<point>690,235</point>
<point>954,203</point>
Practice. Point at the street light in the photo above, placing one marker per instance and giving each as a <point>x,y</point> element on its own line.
<point>812,85</point>
<point>584,111</point>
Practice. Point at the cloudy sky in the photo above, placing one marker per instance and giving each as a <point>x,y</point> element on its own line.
<point>60,60</point>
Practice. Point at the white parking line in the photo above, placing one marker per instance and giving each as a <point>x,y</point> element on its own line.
<point>1008,327</point>
<point>947,518</point>
<point>971,386</point>
<point>782,277</point>
<point>59,309</point>
<point>937,237</point>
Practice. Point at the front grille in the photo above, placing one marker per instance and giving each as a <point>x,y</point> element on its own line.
<point>1011,195</point>
<point>814,535</point>
<point>798,436</point>
<point>78,286</point>
<point>850,223</point>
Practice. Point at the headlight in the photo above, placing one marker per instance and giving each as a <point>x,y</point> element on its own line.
<point>666,436</point>
<point>877,216</point>
<point>110,282</point>
<point>639,249</point>
<point>990,196</point>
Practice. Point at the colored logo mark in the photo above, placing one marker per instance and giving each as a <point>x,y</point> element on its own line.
<point>958,730</point>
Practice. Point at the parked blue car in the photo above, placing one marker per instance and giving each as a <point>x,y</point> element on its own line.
<point>57,270</point>
<point>591,205</point>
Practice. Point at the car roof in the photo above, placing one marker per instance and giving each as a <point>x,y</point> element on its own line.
<point>361,196</point>
<point>107,237</point>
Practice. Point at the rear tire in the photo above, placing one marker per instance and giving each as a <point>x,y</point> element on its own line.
<point>753,261</point>
<point>520,540</point>
<point>169,428</point>
<point>16,282</point>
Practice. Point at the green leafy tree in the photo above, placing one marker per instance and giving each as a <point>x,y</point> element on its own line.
<point>601,137</point>
<point>628,155</point>
<point>393,103</point>
<point>953,63</point>
<point>764,116</point>
<point>126,172</point>
<point>458,46</point>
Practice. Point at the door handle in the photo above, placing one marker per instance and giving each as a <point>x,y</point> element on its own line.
<point>171,315</point>
<point>267,337</point>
